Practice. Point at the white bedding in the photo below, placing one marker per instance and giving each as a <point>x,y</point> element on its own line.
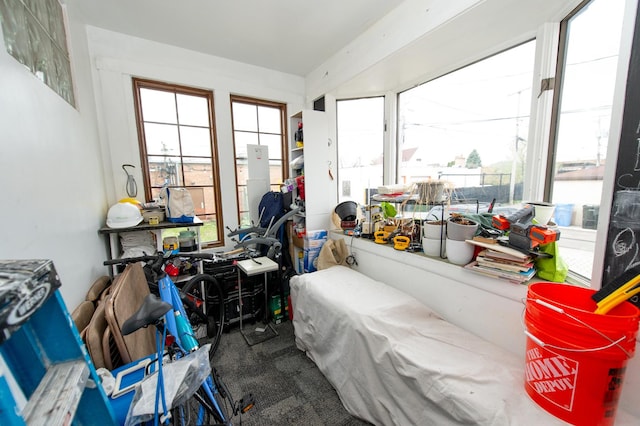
<point>393,361</point>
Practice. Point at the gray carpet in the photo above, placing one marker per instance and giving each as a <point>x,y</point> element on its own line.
<point>288,387</point>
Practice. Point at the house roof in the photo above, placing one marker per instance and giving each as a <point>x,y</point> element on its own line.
<point>588,173</point>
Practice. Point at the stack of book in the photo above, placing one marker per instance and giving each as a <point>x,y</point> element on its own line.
<point>515,267</point>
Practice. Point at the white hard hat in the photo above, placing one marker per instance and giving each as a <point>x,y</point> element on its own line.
<point>123,215</point>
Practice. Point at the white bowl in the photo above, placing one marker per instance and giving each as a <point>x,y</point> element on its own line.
<point>459,252</point>
<point>431,246</point>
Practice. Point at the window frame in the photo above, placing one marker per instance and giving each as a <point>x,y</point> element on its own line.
<point>563,33</point>
<point>142,83</point>
<point>472,62</point>
<point>284,135</point>
<point>561,56</point>
<point>338,142</point>
<point>551,40</point>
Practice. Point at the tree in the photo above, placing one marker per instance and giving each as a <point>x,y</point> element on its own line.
<point>473,160</point>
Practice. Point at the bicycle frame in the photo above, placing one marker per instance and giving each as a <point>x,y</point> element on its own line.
<point>185,340</point>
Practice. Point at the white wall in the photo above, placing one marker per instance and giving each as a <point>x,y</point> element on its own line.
<point>117,57</point>
<point>52,186</point>
<point>423,39</point>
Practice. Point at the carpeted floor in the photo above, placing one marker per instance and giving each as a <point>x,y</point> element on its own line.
<point>288,387</point>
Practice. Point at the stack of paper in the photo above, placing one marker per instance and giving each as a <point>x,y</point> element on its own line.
<point>499,263</point>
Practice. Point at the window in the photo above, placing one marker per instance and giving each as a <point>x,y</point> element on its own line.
<point>178,148</point>
<point>470,128</point>
<point>360,126</point>
<point>34,35</point>
<point>586,75</point>
<point>258,122</point>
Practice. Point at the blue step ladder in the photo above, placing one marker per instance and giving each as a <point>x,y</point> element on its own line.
<point>46,374</point>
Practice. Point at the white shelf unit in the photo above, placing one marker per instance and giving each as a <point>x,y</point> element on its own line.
<point>317,180</point>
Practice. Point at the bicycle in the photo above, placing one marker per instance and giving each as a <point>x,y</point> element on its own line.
<point>205,397</point>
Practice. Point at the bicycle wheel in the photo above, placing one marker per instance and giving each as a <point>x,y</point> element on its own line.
<point>193,412</point>
<point>215,319</point>
<point>222,396</point>
<point>201,410</point>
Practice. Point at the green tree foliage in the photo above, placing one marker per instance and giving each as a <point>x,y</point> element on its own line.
<point>473,160</point>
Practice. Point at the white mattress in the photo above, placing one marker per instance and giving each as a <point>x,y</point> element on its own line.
<point>393,361</point>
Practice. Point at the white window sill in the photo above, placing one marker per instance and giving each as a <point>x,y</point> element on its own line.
<point>443,268</point>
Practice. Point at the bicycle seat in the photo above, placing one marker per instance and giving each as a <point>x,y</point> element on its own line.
<point>151,310</point>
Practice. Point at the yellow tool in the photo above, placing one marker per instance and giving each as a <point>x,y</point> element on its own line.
<point>401,242</point>
<point>622,293</point>
<point>381,237</point>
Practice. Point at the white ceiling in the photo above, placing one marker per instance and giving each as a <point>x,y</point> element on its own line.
<point>292,36</point>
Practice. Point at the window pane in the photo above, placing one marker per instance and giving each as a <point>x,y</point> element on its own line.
<point>589,74</point>
<point>257,123</point>
<point>193,110</point>
<point>360,125</point>
<point>245,117</point>
<point>162,139</point>
<point>195,141</point>
<point>469,127</point>
<point>242,139</point>
<point>158,106</point>
<point>245,219</point>
<point>203,199</point>
<point>243,198</point>
<point>269,120</point>
<point>34,34</point>
<point>165,171</point>
<point>197,171</point>
<point>275,172</point>
<point>274,142</point>
<point>242,172</point>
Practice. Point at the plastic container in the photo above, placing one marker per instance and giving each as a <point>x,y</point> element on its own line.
<point>187,241</point>
<point>170,245</point>
<point>563,214</point>
<point>590,215</point>
<point>575,359</point>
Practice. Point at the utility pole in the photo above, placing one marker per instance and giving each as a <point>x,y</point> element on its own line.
<point>514,161</point>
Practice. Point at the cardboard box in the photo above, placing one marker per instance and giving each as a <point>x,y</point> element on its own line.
<point>295,239</point>
<point>275,307</point>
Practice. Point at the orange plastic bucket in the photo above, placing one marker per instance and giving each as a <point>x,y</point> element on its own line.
<point>576,359</point>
